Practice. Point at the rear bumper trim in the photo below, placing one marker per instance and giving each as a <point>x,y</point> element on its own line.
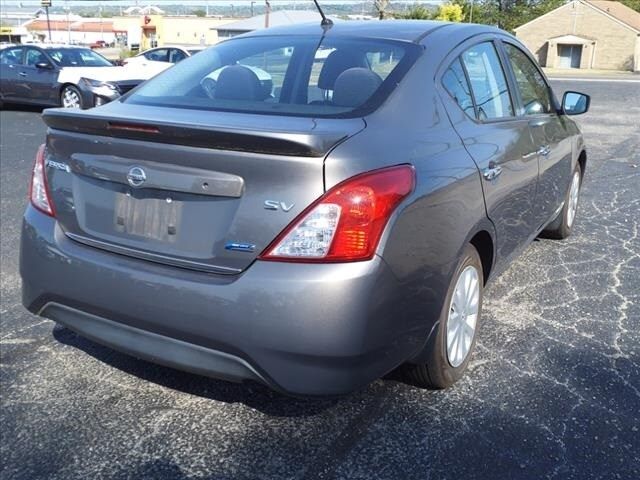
<point>153,347</point>
<point>153,257</point>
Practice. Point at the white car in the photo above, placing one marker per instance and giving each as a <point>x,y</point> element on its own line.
<point>167,55</point>
<point>64,75</point>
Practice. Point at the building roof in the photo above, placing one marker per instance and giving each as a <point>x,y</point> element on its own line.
<point>620,11</point>
<point>616,10</point>
<point>81,26</point>
<point>277,18</point>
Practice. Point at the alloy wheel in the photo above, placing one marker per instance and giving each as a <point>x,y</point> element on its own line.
<point>463,316</point>
<point>70,98</point>
<point>574,195</point>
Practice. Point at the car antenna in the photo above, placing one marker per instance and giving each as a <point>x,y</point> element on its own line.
<point>326,22</point>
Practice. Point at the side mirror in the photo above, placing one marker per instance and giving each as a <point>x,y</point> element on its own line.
<point>575,103</point>
<point>44,66</point>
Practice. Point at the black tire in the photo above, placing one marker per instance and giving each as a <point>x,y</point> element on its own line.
<point>560,227</point>
<point>437,372</point>
<point>74,90</point>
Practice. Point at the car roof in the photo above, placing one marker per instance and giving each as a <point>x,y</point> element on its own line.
<point>399,30</point>
<point>47,46</point>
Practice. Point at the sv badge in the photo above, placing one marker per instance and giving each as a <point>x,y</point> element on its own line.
<point>275,205</point>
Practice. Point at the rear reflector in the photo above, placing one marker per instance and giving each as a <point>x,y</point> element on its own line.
<point>346,223</point>
<point>39,191</point>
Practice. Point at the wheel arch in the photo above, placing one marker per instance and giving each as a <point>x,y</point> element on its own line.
<point>582,161</point>
<point>483,242</point>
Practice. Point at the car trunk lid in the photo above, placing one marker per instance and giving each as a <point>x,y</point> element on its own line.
<point>206,191</point>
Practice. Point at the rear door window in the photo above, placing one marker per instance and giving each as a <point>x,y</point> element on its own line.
<point>11,56</point>
<point>159,55</point>
<point>488,82</point>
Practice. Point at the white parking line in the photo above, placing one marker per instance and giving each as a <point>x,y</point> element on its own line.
<point>577,79</point>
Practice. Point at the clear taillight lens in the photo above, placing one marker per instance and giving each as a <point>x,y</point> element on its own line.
<point>39,191</point>
<point>346,223</point>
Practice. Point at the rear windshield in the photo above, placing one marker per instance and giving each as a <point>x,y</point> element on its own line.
<point>78,57</point>
<point>289,75</point>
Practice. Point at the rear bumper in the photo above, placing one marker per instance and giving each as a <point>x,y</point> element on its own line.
<point>302,329</point>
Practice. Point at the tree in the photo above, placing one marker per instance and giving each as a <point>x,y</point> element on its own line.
<point>417,12</point>
<point>449,12</point>
<point>381,7</point>
<point>199,13</point>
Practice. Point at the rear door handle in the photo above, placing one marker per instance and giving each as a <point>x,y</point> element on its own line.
<point>544,150</point>
<point>492,172</point>
<point>22,74</point>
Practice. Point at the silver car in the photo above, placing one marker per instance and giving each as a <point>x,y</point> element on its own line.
<point>309,207</point>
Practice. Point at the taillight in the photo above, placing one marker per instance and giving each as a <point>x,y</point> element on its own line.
<point>345,224</point>
<point>39,191</point>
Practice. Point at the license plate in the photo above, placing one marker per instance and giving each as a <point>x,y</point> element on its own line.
<point>153,218</point>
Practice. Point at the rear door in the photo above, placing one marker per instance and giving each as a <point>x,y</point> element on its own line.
<point>39,84</point>
<point>548,130</point>
<point>10,68</point>
<point>497,139</point>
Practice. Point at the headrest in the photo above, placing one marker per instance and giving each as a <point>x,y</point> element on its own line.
<point>355,86</point>
<point>237,82</point>
<point>337,62</point>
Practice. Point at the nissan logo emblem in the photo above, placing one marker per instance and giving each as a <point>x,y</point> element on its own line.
<point>136,176</point>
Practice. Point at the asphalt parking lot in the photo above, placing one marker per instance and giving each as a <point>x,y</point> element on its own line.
<point>553,390</point>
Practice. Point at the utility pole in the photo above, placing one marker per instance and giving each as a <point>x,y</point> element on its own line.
<point>267,12</point>
<point>46,4</point>
<point>66,7</point>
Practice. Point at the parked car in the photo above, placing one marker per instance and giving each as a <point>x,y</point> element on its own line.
<point>61,75</point>
<point>167,55</point>
<point>317,237</point>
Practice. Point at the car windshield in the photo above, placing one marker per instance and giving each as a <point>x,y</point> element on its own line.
<point>78,57</point>
<point>289,75</point>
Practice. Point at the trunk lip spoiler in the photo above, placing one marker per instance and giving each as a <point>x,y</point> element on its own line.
<point>238,138</point>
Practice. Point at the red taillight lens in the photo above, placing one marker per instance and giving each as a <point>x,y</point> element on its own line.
<point>345,224</point>
<point>39,191</point>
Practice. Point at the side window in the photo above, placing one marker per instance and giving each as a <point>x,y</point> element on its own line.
<point>35,56</point>
<point>488,81</point>
<point>455,82</point>
<point>160,55</point>
<point>533,89</point>
<point>11,56</point>
<point>176,55</point>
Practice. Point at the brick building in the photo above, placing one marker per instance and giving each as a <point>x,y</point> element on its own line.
<point>597,34</point>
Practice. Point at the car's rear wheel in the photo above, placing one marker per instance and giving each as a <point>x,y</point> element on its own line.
<point>450,346</point>
<point>70,97</point>
<point>562,225</point>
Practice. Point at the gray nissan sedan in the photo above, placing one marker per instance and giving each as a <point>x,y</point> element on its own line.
<point>309,206</point>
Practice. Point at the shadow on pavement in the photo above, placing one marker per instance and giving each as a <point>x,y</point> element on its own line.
<point>21,108</point>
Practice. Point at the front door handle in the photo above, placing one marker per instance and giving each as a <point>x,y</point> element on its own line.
<point>492,172</point>
<point>22,74</point>
<point>544,150</point>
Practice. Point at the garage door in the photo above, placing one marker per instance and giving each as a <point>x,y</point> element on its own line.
<point>569,56</point>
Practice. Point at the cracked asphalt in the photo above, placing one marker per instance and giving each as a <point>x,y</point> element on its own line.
<point>553,390</point>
